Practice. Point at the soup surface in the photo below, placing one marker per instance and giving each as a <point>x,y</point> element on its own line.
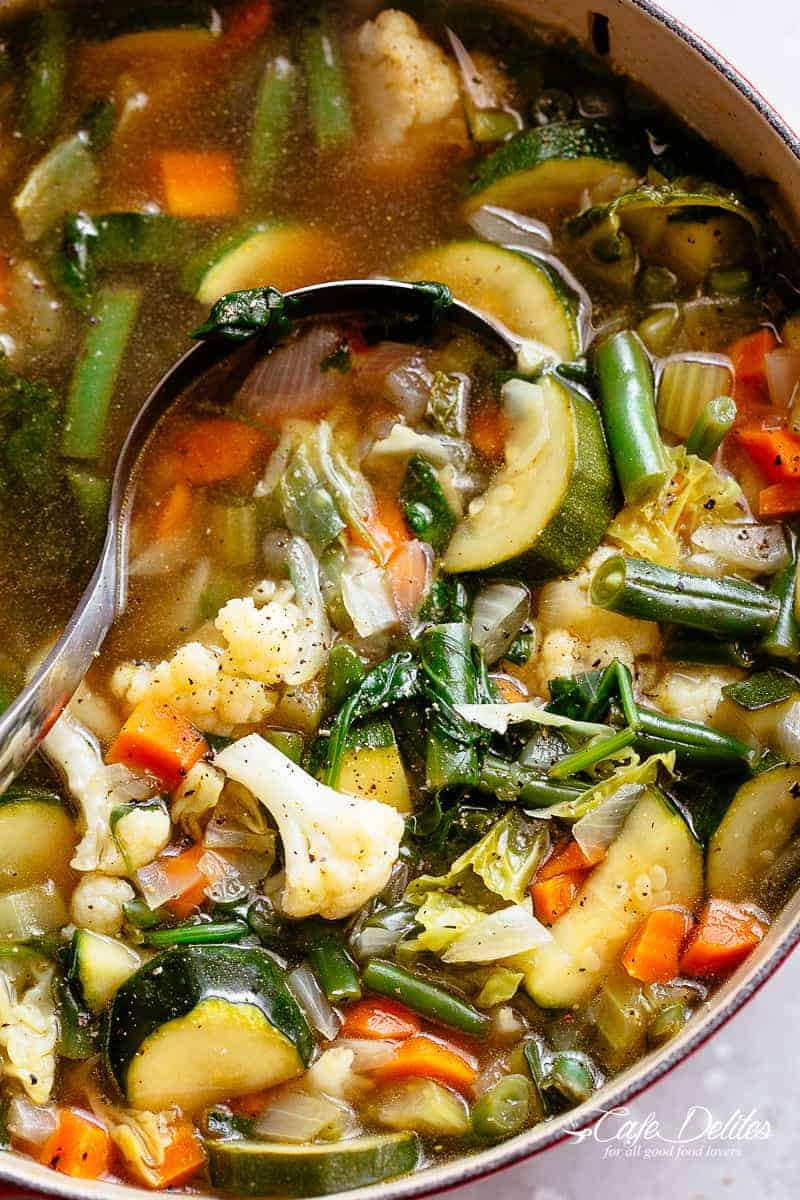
<point>446,756</point>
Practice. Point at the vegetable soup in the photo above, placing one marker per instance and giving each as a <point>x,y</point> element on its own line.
<point>445,758</point>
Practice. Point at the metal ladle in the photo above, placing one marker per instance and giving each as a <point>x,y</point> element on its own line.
<point>27,721</point>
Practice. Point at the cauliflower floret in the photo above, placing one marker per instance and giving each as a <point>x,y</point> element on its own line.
<point>97,903</point>
<point>338,850</point>
<point>28,1030</point>
<point>263,643</point>
<point>693,694</point>
<point>196,797</point>
<point>194,681</point>
<point>99,789</point>
<point>405,82</point>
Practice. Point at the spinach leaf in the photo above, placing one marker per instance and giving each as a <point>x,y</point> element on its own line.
<point>425,505</point>
<point>395,679</point>
<point>240,315</point>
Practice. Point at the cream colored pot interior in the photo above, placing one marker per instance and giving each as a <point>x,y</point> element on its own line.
<point>690,79</point>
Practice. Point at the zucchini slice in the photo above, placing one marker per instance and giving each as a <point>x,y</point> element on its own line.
<point>762,820</point>
<point>245,1168</point>
<point>525,294</point>
<point>655,861</point>
<point>280,256</point>
<point>37,838</point>
<point>373,768</point>
<point>692,232</point>
<point>549,506</point>
<point>101,965</point>
<point>200,1024</point>
<point>552,167</point>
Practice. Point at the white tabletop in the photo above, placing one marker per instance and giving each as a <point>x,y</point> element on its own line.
<point>752,1064</point>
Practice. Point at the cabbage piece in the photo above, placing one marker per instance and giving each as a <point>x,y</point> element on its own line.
<point>28,1027</point>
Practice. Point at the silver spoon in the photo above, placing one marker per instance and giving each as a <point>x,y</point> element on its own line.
<point>33,713</point>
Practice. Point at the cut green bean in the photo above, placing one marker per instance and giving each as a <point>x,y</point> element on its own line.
<point>783,640</point>
<point>332,964</point>
<point>715,421</point>
<point>45,73</point>
<point>511,781</point>
<point>326,82</point>
<point>668,1022</point>
<point>582,760</point>
<point>344,673</point>
<point>692,646</point>
<point>275,102</point>
<point>113,317</point>
<point>695,744</point>
<point>627,401</point>
<point>91,493</point>
<point>141,916</point>
<point>386,979</point>
<point>503,1110</point>
<point>198,934</point>
<point>730,281</point>
<point>726,607</point>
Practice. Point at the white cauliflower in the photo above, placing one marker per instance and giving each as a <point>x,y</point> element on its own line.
<point>693,693</point>
<point>405,82</point>
<point>28,1029</point>
<point>97,902</point>
<point>140,835</point>
<point>222,688</point>
<point>196,798</point>
<point>338,850</point>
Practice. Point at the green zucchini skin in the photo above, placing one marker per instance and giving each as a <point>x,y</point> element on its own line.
<point>561,141</point>
<point>173,983</point>
<point>244,1168</point>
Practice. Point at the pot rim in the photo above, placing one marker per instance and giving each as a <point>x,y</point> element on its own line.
<point>741,987</point>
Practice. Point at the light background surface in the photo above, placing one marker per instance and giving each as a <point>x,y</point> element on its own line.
<point>754,1062</point>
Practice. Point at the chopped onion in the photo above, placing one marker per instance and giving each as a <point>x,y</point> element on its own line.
<point>31,1123</point>
<point>505,227</point>
<point>373,368</point>
<point>402,441</point>
<point>472,81</point>
<point>368,1055</point>
<point>410,388</point>
<point>598,828</point>
<point>304,574</point>
<point>783,376</point>
<point>367,595</point>
<point>313,1001</point>
<point>297,1115</point>
<point>499,612</point>
<point>512,930</point>
<point>155,885</point>
<point>290,382</point>
<point>761,549</point>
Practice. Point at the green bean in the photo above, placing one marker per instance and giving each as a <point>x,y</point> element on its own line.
<point>511,781</point>
<point>691,646</point>
<point>715,421</point>
<point>94,379</point>
<point>601,749</point>
<point>503,1110</point>
<point>783,640</point>
<point>627,401</point>
<point>573,1075</point>
<point>386,979</point>
<point>277,94</point>
<point>730,281</point>
<point>695,744</point>
<point>91,493</point>
<point>139,914</point>
<point>344,673</point>
<point>724,607</point>
<point>332,964</point>
<point>197,934</point>
<point>326,82</point>
<point>45,73</point>
<point>668,1022</point>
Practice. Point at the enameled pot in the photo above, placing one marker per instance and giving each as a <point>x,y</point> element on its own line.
<point>693,80</point>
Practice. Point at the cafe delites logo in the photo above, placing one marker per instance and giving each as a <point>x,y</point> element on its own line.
<point>699,1133</point>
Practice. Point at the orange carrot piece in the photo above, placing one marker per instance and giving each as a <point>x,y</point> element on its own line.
<point>511,690</point>
<point>779,500</point>
<point>722,938</point>
<point>380,1019</point>
<point>183,1157</point>
<point>217,448</point>
<point>424,1057</point>
<point>199,183</point>
<point>80,1146</point>
<point>409,573</point>
<point>247,23</point>
<point>487,431</point>
<point>172,512</point>
<point>776,452</point>
<point>249,1106</point>
<point>566,858</point>
<point>387,527</point>
<point>653,953</point>
<point>748,354</point>
<point>187,881</point>
<point>5,281</point>
<point>157,739</point>
<point>552,897</point>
